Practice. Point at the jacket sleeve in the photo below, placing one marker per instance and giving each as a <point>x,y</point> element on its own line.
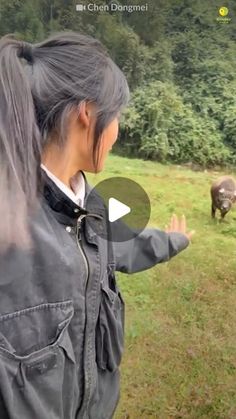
<point>148,248</point>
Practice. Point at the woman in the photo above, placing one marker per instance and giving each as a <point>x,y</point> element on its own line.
<point>61,322</point>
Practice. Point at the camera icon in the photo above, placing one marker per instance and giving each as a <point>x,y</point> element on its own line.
<point>80,7</point>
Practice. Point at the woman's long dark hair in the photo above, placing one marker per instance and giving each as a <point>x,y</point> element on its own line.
<point>40,85</point>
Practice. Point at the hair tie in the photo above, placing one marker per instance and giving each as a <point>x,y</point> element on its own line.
<point>27,52</point>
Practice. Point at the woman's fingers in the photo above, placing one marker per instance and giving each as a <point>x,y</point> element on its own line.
<point>179,225</point>
<point>190,234</point>
<point>174,223</point>
<point>183,226</point>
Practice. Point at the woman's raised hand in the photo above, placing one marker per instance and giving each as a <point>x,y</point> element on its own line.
<point>179,225</point>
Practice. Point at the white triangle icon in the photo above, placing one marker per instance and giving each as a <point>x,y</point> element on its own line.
<point>117,209</point>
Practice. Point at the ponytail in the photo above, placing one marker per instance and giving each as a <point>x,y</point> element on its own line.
<point>19,148</point>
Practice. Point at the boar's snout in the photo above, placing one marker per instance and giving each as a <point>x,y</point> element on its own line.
<point>226,205</point>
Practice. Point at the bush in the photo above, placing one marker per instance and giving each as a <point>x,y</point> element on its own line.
<point>158,125</point>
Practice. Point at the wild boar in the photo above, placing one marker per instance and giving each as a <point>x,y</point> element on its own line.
<point>223,195</point>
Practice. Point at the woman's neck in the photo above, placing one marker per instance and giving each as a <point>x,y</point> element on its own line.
<point>58,162</point>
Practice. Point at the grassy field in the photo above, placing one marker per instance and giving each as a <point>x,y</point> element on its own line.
<point>180,354</point>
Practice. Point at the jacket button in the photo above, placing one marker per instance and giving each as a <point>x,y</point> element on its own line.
<point>68,229</point>
<point>76,210</point>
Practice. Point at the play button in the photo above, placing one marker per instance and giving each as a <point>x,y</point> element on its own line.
<point>117,210</point>
<point>125,208</point>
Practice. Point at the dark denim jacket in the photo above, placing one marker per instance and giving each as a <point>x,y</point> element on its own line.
<point>61,313</point>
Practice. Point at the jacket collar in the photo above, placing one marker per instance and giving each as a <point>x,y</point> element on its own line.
<point>65,210</point>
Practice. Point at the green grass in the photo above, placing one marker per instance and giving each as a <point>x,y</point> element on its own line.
<point>180,354</point>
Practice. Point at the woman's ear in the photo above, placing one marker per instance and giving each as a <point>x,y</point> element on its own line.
<point>85,114</point>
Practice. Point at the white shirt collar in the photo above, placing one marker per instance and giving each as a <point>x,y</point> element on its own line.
<point>77,184</point>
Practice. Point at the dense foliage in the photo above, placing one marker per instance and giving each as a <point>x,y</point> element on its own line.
<point>179,61</point>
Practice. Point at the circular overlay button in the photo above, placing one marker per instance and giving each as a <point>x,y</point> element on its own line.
<point>128,208</point>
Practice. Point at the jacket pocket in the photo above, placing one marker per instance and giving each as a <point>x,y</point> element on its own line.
<point>37,363</point>
<point>110,325</point>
